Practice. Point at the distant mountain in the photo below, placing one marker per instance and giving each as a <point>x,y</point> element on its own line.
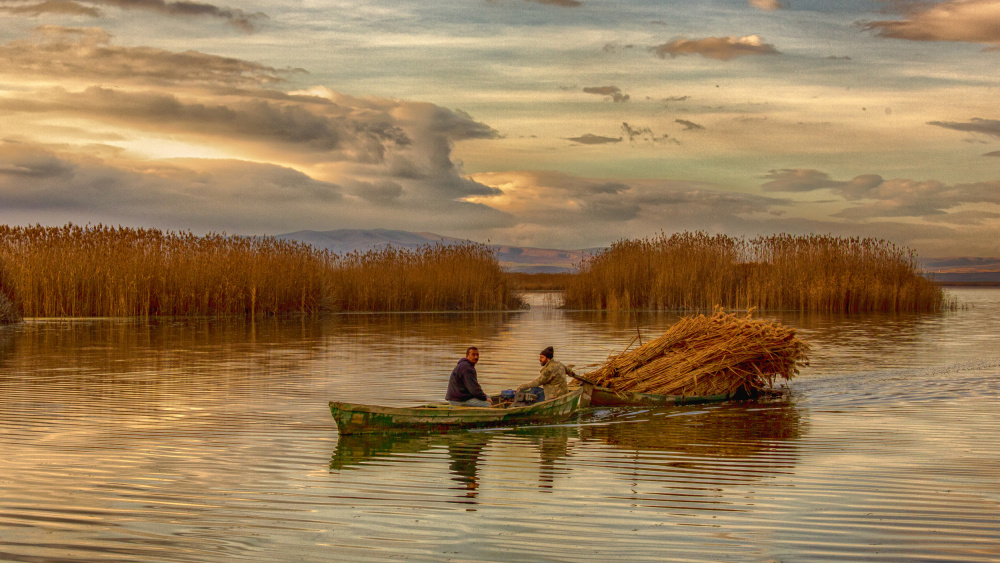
<point>544,260</point>
<point>514,258</point>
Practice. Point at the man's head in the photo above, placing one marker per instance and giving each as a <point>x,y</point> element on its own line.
<point>472,354</point>
<point>545,355</point>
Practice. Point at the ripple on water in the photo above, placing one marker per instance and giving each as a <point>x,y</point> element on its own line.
<point>196,440</point>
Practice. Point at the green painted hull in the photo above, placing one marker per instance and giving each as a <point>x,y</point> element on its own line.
<point>369,419</point>
<point>604,397</point>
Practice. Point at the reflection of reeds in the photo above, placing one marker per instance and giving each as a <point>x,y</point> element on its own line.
<point>737,430</point>
<point>695,271</point>
<point>105,271</point>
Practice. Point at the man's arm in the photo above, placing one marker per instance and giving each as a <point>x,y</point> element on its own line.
<point>542,379</point>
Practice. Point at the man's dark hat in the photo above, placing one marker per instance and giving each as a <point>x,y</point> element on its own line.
<point>547,352</point>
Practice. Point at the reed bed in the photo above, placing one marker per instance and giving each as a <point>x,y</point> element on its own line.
<point>708,355</point>
<point>540,282</point>
<point>74,271</point>
<point>696,272</point>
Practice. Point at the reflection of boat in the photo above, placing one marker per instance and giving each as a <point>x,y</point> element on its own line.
<point>354,450</point>
<point>369,419</point>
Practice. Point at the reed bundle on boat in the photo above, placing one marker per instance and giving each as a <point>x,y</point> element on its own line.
<point>708,355</point>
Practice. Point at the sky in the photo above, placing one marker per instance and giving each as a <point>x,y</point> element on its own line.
<point>547,123</point>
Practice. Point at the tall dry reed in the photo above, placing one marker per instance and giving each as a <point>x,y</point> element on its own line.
<point>74,271</point>
<point>9,312</point>
<point>696,271</point>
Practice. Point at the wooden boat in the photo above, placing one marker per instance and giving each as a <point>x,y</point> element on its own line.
<point>369,419</point>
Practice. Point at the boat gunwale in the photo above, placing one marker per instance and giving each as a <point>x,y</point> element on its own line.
<point>446,417</point>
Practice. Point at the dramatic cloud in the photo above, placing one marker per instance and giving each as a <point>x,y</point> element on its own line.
<point>591,139</point>
<point>313,143</point>
<point>976,125</point>
<point>972,21</point>
<point>237,18</point>
<point>720,48</point>
<point>70,53</point>
<point>689,125</point>
<point>38,183</point>
<point>612,92</point>
<point>766,5</point>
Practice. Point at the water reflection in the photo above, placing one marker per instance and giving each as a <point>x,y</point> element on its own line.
<point>467,453</point>
<point>737,429</point>
<point>464,466</point>
<point>209,440</point>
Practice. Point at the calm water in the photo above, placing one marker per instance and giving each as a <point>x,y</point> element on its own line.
<point>201,440</point>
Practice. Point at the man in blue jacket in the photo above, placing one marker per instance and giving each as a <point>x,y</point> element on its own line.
<point>463,385</point>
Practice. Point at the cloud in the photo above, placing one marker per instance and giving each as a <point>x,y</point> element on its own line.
<point>643,133</point>
<point>50,184</point>
<point>86,54</point>
<point>407,139</point>
<point>689,125</point>
<point>971,21</point>
<point>553,205</point>
<point>807,180</point>
<point>963,218</point>
<point>767,5</point>
<point>185,8</point>
<point>872,196</point>
<point>975,125</point>
<point>61,7</point>
<point>560,3</point>
<point>591,139</point>
<point>612,92</point>
<point>720,48</point>
<point>380,151</point>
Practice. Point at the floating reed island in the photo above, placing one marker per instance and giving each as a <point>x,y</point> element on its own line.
<point>101,271</point>
<point>696,272</point>
<point>708,355</point>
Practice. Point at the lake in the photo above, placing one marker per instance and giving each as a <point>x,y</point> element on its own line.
<point>211,440</point>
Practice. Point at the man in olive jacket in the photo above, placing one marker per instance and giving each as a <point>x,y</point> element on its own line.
<point>552,379</point>
<point>463,385</point>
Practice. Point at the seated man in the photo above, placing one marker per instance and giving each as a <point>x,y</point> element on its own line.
<point>552,379</point>
<point>463,385</point>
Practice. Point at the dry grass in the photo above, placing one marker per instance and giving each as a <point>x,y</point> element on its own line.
<point>708,355</point>
<point>695,271</point>
<point>74,271</point>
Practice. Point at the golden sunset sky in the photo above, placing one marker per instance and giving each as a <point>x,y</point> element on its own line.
<point>549,123</point>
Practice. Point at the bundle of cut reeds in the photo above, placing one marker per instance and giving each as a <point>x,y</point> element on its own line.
<point>708,355</point>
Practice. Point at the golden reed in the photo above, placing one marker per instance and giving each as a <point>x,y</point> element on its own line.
<point>696,272</point>
<point>74,271</point>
